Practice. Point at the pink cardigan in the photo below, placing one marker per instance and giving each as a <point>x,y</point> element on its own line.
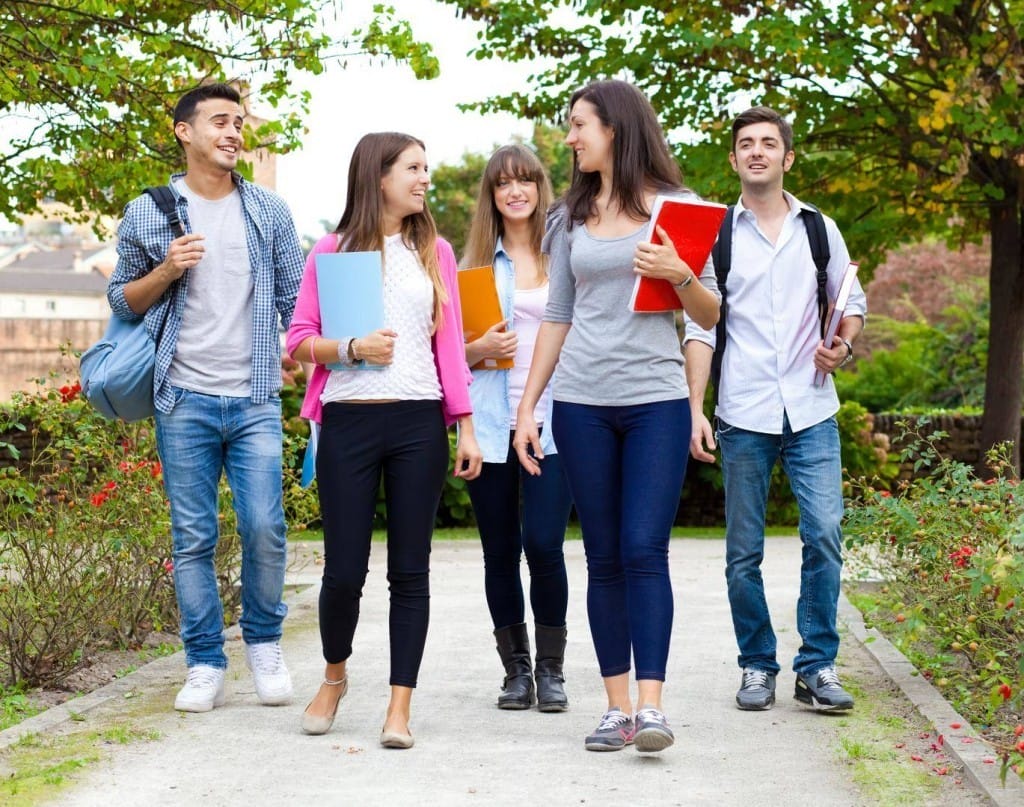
<point>448,345</point>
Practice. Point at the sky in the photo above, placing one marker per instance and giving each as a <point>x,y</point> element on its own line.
<point>370,96</point>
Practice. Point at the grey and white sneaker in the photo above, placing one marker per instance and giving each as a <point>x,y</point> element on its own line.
<point>203,690</point>
<point>269,673</point>
<point>757,690</point>
<point>613,733</point>
<point>652,731</point>
<point>823,691</point>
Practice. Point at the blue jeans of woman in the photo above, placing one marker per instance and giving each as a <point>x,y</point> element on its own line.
<point>202,437</point>
<point>812,462</point>
<point>625,466</point>
<point>516,513</point>
<point>405,444</point>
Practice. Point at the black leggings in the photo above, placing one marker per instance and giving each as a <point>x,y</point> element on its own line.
<point>407,442</point>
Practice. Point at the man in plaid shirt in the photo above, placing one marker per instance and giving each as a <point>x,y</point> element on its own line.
<point>214,300</point>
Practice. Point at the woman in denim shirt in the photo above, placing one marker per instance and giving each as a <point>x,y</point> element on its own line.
<point>515,511</point>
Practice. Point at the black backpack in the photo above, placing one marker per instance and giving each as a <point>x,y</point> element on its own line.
<point>721,254</point>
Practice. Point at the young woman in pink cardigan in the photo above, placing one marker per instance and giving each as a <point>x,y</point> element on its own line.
<point>390,422</point>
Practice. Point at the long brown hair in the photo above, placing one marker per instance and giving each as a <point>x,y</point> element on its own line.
<point>518,162</point>
<point>640,154</point>
<point>361,228</point>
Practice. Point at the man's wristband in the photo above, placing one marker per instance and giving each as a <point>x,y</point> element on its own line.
<point>682,284</point>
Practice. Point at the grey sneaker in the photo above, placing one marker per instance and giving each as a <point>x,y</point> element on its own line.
<point>652,731</point>
<point>757,690</point>
<point>823,691</point>
<point>613,733</point>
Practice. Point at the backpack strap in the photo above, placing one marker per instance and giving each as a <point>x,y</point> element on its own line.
<point>817,237</point>
<point>167,201</point>
<point>721,257</point>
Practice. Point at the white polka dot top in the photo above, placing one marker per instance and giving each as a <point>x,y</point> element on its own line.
<point>409,312</point>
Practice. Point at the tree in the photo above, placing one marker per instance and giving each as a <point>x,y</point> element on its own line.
<point>908,116</point>
<point>91,85</point>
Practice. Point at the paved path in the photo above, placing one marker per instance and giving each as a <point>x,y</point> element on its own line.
<point>469,752</point>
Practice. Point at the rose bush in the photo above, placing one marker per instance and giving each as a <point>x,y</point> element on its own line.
<point>948,550</point>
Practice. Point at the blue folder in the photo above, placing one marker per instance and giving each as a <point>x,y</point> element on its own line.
<point>351,290</point>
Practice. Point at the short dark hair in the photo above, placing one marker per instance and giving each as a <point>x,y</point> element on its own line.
<point>763,114</point>
<point>185,110</point>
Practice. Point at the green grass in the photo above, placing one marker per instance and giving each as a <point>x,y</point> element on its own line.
<point>571,534</point>
<point>38,766</point>
<point>15,707</point>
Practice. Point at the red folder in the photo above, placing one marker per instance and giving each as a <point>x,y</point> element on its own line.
<point>692,225</point>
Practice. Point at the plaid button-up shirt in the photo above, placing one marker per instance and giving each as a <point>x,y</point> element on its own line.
<point>144,236</point>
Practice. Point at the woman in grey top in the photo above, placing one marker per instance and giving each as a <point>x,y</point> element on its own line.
<point>621,417</point>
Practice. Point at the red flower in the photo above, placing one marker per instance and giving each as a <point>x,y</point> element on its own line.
<point>124,466</point>
<point>110,485</point>
<point>1018,730</point>
<point>961,557</point>
<point>168,566</point>
<point>154,469</point>
<point>98,498</point>
<point>885,494</point>
<point>1005,691</point>
<point>1020,746</point>
<point>69,393</point>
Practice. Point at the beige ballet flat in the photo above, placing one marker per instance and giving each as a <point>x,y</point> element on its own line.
<point>314,724</point>
<point>394,739</point>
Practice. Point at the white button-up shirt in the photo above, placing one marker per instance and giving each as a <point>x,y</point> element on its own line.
<point>772,325</point>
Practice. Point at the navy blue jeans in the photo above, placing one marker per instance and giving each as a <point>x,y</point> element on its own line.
<point>811,460</point>
<point>517,513</point>
<point>625,466</point>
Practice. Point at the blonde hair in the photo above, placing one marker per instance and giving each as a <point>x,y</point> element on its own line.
<point>361,228</point>
<point>514,161</point>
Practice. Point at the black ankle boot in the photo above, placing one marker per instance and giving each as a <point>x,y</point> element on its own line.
<point>514,649</point>
<point>550,680</point>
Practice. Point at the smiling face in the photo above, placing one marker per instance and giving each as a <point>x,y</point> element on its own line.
<point>213,138</point>
<point>515,197</point>
<point>760,157</point>
<point>589,138</point>
<point>404,186</point>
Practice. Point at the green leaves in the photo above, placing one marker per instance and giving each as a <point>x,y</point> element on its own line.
<point>87,88</point>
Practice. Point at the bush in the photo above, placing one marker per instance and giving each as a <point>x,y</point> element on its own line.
<point>948,548</point>
<point>85,548</point>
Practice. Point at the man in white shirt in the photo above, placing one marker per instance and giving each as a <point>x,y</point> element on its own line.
<point>769,409</point>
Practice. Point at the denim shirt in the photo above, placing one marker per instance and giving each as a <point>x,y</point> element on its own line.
<point>275,256</point>
<point>492,412</point>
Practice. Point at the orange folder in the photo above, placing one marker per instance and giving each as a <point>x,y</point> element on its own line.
<point>481,309</point>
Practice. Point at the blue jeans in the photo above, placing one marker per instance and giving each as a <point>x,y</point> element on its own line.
<point>202,437</point>
<point>625,466</point>
<point>812,462</point>
<point>516,513</point>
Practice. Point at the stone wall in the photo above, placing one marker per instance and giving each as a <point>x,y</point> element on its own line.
<point>962,443</point>
<point>30,348</point>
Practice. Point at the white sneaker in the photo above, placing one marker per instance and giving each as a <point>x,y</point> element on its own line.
<point>203,690</point>
<point>273,683</point>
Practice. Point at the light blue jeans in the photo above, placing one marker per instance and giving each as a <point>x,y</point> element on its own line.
<point>812,462</point>
<point>201,438</point>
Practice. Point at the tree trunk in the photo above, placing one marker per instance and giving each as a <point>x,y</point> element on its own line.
<point>1001,419</point>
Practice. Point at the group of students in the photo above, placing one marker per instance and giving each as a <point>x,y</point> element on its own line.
<point>599,410</point>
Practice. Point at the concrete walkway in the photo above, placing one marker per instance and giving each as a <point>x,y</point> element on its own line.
<point>467,751</point>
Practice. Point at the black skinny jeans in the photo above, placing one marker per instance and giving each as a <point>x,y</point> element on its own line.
<point>407,443</point>
<point>517,513</point>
